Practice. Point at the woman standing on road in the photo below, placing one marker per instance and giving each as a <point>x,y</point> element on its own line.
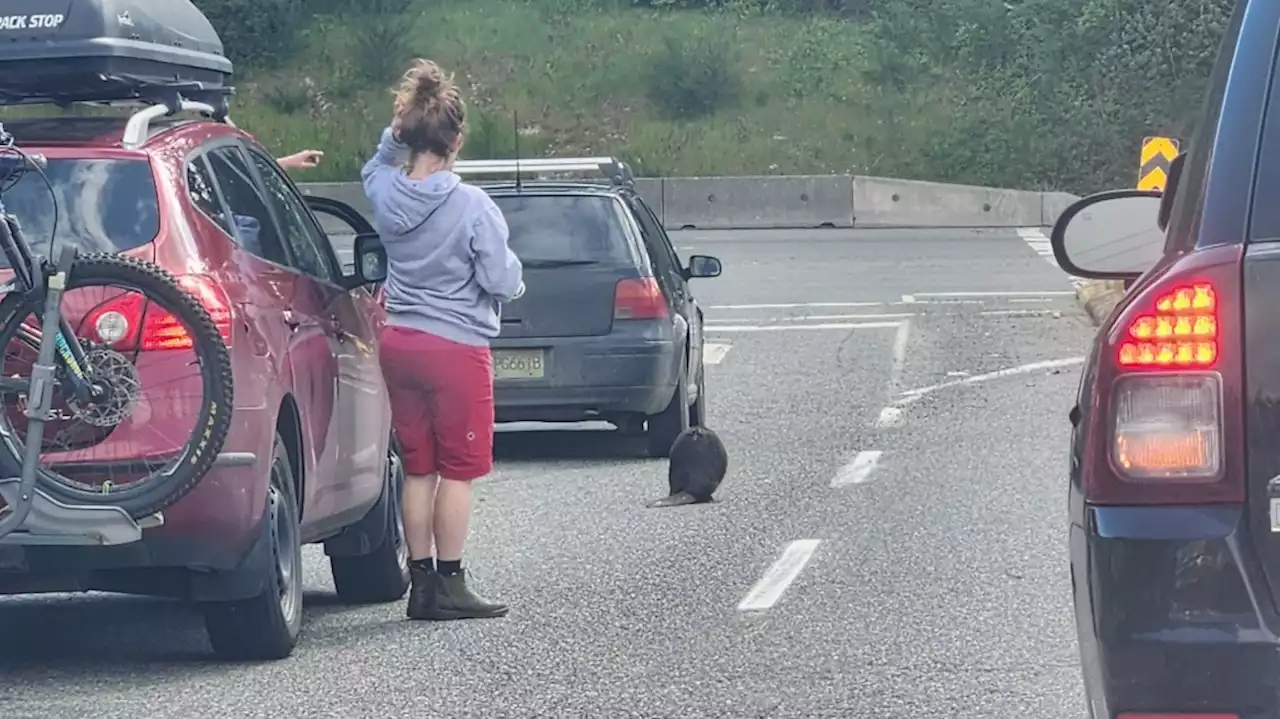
<point>449,270</point>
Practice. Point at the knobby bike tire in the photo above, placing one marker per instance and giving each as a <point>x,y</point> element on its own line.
<point>158,490</point>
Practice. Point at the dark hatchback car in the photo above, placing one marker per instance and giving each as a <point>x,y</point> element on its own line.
<point>1175,456</point>
<point>608,328</point>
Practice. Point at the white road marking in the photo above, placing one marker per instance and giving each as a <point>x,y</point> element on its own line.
<point>1020,313</point>
<point>915,300</point>
<point>819,318</point>
<point>915,394</point>
<point>1013,300</point>
<point>890,417</point>
<point>1043,246</point>
<point>796,305</point>
<point>714,352</point>
<point>779,576</point>
<point>1015,293</point>
<point>900,340</point>
<point>858,470</point>
<point>819,326</point>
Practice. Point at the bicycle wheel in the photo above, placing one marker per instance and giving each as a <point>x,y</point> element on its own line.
<point>166,372</point>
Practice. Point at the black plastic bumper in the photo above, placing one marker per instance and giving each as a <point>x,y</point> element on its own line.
<point>1173,614</point>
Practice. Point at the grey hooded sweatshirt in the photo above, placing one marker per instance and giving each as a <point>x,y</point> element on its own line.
<point>449,266</point>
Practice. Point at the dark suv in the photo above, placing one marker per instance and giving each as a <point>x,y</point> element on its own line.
<point>608,328</point>
<point>1175,455</point>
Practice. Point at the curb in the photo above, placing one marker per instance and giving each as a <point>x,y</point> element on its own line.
<point>1099,298</point>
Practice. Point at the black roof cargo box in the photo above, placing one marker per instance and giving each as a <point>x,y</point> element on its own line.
<point>65,51</point>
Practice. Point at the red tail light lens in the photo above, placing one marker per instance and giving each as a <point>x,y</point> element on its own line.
<point>1182,331</point>
<point>124,325</point>
<point>1166,421</point>
<point>639,298</point>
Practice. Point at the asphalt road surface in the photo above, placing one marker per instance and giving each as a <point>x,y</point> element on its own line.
<point>883,547</point>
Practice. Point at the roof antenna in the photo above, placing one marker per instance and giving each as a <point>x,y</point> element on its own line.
<point>515,119</point>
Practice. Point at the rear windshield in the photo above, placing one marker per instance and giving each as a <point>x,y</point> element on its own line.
<point>558,228</point>
<point>103,205</point>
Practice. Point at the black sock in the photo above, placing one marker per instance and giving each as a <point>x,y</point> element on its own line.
<point>449,566</point>
<point>428,564</point>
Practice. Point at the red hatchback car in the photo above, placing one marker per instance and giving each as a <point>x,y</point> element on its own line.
<point>310,457</point>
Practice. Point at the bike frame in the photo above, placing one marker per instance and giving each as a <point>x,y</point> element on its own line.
<point>58,350</point>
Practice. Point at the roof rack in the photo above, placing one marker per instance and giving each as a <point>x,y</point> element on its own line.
<point>170,99</point>
<point>618,172</point>
<point>159,99</point>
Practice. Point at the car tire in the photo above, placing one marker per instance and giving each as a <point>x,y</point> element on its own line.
<point>267,626</point>
<point>664,427</point>
<point>382,575</point>
<point>698,410</point>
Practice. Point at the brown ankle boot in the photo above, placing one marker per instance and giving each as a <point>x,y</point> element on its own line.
<point>453,599</point>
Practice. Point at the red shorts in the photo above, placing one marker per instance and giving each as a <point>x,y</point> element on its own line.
<point>441,403</point>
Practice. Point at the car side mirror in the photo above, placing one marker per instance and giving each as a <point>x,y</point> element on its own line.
<point>1113,235</point>
<point>371,258</point>
<point>703,266</point>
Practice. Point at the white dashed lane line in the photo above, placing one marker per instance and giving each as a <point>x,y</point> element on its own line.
<point>713,353</point>
<point>858,470</point>
<point>779,576</point>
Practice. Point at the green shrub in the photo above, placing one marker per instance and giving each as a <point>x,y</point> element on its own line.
<point>694,75</point>
<point>256,33</point>
<point>380,48</point>
<point>490,136</point>
<point>288,98</point>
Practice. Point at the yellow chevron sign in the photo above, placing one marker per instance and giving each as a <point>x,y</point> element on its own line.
<point>1153,168</point>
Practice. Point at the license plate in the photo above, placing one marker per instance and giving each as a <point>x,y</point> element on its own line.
<point>519,364</point>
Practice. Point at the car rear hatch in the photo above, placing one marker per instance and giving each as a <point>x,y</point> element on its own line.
<point>99,202</point>
<point>574,250</point>
<point>1262,404</point>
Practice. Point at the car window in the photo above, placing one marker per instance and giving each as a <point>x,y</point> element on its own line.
<point>252,223</point>
<point>300,232</point>
<point>103,205</point>
<point>1184,215</point>
<point>564,227</point>
<point>659,234</point>
<point>341,236</point>
<point>661,254</point>
<point>203,194</point>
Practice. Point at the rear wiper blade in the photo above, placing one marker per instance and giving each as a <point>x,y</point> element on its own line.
<point>556,263</point>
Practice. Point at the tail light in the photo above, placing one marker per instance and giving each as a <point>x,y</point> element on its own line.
<point>1167,416</point>
<point>639,298</point>
<point>132,322</point>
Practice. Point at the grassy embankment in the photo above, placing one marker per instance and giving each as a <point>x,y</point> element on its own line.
<point>790,94</point>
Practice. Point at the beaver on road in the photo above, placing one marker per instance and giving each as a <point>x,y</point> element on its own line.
<point>698,465</point>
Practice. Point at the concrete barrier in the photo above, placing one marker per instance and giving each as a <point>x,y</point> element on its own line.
<point>762,202</point>
<point>886,202</point>
<point>782,202</point>
<point>351,193</point>
<point>1053,204</point>
<point>650,188</point>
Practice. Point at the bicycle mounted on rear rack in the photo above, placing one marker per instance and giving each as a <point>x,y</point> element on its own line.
<point>29,514</point>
